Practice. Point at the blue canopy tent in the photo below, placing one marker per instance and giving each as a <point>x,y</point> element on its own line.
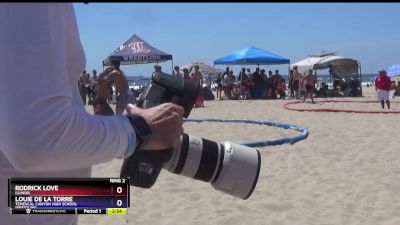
<point>136,51</point>
<point>394,70</point>
<point>251,56</point>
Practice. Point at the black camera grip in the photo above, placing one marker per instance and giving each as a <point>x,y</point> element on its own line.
<point>144,166</point>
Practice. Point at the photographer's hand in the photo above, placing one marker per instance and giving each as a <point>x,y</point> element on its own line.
<point>165,122</point>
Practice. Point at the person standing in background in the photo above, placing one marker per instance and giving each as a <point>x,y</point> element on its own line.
<point>382,87</point>
<point>176,72</point>
<point>197,76</point>
<point>113,75</point>
<point>291,84</point>
<point>296,82</point>
<point>157,69</point>
<point>309,83</point>
<point>88,86</point>
<point>218,81</point>
<point>94,81</point>
<point>186,74</point>
<point>82,88</point>
<point>94,74</point>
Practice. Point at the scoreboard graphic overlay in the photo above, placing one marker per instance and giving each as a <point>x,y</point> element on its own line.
<point>68,195</point>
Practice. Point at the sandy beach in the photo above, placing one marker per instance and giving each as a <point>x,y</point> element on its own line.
<point>345,173</point>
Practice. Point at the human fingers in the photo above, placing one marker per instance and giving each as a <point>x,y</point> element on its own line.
<point>133,109</point>
<point>175,108</point>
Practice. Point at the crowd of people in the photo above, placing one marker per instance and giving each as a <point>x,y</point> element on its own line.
<point>257,85</point>
<point>188,74</point>
<point>196,75</point>
<point>99,90</point>
<point>247,85</point>
<point>260,85</point>
<point>87,86</point>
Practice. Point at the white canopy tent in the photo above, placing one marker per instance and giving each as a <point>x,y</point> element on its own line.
<point>340,67</point>
<point>343,66</point>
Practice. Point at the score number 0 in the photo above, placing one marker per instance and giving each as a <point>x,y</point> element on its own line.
<point>119,191</point>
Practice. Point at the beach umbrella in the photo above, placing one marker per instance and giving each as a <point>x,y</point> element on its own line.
<point>203,68</point>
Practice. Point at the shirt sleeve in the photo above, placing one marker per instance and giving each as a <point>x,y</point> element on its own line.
<point>42,126</point>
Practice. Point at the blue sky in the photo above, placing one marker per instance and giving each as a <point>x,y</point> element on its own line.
<point>191,32</point>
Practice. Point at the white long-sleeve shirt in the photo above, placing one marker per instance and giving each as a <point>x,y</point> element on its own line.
<point>44,128</point>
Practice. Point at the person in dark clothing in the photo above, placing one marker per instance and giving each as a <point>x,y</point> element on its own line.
<point>259,89</point>
<point>291,88</point>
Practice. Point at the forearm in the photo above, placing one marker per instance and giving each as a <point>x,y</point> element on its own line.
<point>69,138</point>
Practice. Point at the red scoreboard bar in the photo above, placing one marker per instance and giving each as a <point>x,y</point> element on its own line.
<point>68,195</point>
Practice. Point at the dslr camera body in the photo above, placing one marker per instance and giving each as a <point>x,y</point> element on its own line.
<point>229,167</point>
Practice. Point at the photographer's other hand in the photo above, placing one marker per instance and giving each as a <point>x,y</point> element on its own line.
<point>165,122</point>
